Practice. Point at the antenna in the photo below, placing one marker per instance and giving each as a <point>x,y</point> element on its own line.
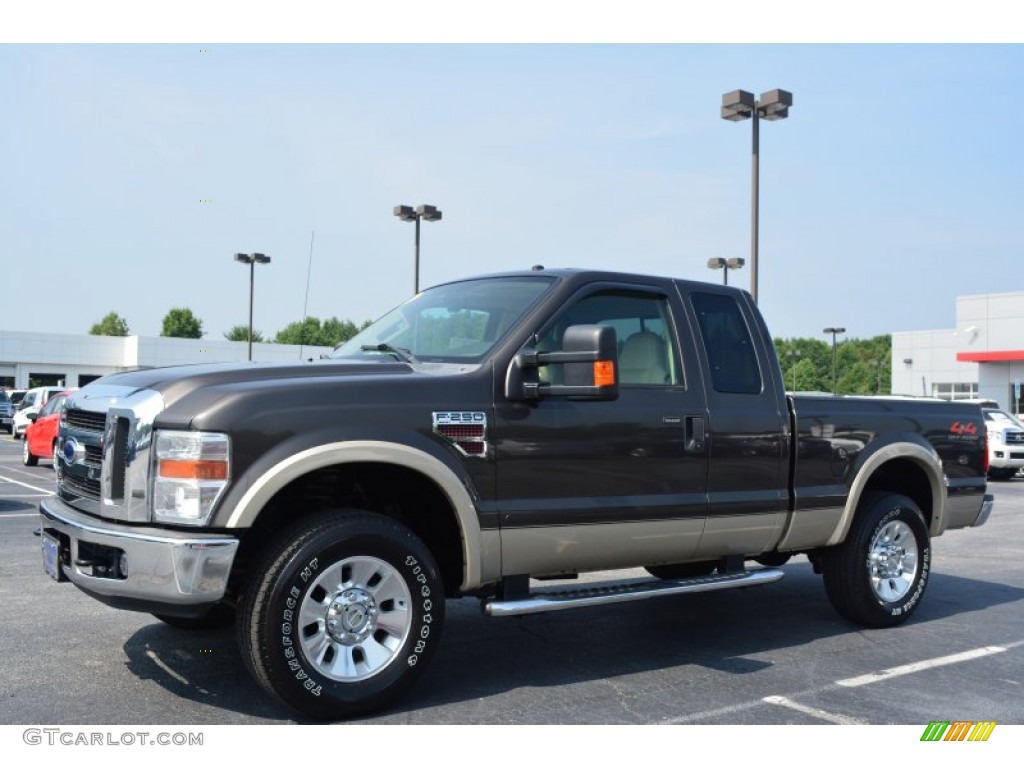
<point>305,305</point>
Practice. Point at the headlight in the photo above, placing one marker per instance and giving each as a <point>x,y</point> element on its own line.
<point>191,471</point>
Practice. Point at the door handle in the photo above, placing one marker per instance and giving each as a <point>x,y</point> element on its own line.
<point>694,434</point>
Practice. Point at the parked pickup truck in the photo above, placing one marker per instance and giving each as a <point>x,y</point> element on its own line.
<point>485,436</point>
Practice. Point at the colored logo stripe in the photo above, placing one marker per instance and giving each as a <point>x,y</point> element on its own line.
<point>958,730</point>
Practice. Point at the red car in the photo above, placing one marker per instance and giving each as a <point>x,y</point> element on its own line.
<point>41,434</point>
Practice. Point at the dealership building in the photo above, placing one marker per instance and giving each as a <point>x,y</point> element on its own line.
<point>57,359</point>
<point>982,356</point>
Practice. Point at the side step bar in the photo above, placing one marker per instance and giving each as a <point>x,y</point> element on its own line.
<point>611,592</point>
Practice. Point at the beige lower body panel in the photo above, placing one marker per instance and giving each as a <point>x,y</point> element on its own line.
<point>810,528</point>
<point>962,511</point>
<point>741,535</point>
<point>570,549</point>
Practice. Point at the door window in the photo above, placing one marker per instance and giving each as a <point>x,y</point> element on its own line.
<point>728,343</point>
<point>642,323</point>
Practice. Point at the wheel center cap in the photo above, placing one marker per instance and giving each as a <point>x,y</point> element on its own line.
<point>352,616</point>
<point>890,561</point>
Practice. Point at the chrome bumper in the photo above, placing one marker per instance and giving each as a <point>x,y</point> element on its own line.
<point>146,565</point>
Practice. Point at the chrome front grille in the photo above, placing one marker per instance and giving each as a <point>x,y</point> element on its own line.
<point>90,421</point>
<point>79,486</point>
<point>1015,438</point>
<point>103,452</point>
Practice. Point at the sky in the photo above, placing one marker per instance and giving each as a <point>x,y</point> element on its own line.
<point>133,168</point>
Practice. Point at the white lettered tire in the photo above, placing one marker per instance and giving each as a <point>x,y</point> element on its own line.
<point>878,576</point>
<point>342,616</point>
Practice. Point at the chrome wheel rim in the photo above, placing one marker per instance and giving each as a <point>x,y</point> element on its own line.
<point>355,618</point>
<point>893,561</point>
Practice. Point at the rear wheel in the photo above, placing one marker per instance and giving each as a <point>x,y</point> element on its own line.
<point>878,575</point>
<point>26,455</point>
<point>343,615</point>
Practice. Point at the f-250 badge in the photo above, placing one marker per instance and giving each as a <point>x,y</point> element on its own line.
<point>466,430</point>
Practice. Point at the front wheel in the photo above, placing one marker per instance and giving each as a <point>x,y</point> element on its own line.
<point>343,615</point>
<point>878,575</point>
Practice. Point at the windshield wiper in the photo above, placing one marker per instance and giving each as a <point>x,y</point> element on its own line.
<point>401,354</point>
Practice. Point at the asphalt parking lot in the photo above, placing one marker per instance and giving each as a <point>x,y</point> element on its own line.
<point>775,654</point>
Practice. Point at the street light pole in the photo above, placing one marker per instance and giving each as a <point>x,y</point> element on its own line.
<point>726,265</point>
<point>252,259</point>
<point>741,105</point>
<point>834,332</point>
<point>408,213</point>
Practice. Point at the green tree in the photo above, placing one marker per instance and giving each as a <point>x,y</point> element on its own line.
<point>182,324</point>
<point>312,332</point>
<point>863,366</point>
<point>241,333</point>
<point>111,325</point>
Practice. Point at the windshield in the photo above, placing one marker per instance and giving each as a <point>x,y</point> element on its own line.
<point>456,322</point>
<point>1002,418</point>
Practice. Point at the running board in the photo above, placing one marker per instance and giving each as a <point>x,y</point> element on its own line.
<point>603,594</point>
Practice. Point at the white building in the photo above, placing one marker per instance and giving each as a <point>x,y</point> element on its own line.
<point>57,359</point>
<point>982,357</point>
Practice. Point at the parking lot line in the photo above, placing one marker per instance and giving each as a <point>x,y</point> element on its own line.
<point>821,714</point>
<point>909,669</point>
<point>44,491</point>
<point>850,682</point>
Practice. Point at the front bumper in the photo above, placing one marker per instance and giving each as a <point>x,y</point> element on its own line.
<point>139,568</point>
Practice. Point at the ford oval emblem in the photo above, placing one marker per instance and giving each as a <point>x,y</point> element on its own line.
<point>74,452</point>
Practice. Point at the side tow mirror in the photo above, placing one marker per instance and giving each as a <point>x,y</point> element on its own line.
<point>590,367</point>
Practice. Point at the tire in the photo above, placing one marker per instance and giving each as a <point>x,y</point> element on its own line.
<point>220,616</point>
<point>878,575</point>
<point>1000,473</point>
<point>26,455</point>
<point>342,615</point>
<point>682,570</point>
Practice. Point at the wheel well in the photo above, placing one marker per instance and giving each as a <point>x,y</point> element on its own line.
<point>907,477</point>
<point>387,489</point>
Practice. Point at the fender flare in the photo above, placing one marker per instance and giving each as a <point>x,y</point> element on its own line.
<point>928,461</point>
<point>267,485</point>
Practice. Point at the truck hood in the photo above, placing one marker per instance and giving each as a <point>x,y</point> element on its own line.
<point>174,383</point>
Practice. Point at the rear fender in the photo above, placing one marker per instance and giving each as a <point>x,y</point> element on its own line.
<point>923,456</point>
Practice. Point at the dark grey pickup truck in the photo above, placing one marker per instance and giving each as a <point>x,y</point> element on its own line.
<point>486,435</point>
